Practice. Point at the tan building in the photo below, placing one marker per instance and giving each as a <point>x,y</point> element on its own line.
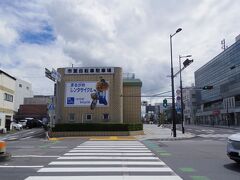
<point>7,98</point>
<point>97,95</point>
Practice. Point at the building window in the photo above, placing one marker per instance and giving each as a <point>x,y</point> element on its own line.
<point>27,88</point>
<point>86,70</point>
<point>103,70</point>
<point>105,116</point>
<point>71,116</point>
<point>109,70</point>
<point>97,70</point>
<point>75,71</point>
<point>69,70</point>
<point>92,70</point>
<point>20,85</point>
<point>8,97</point>
<point>88,117</point>
<point>80,70</point>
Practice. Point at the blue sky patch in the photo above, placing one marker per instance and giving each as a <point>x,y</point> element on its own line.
<point>45,36</point>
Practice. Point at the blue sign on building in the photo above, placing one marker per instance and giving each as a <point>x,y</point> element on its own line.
<point>70,100</point>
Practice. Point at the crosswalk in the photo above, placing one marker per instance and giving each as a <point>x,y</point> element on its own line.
<point>115,160</point>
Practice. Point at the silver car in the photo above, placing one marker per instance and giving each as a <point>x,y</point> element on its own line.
<point>233,147</point>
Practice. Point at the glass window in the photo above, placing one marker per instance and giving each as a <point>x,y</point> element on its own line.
<point>88,117</point>
<point>20,85</point>
<point>80,70</point>
<point>75,71</point>
<point>71,116</point>
<point>98,70</point>
<point>109,70</point>
<point>103,70</point>
<point>92,70</point>
<point>105,116</point>
<point>86,70</point>
<point>8,97</point>
<point>69,70</point>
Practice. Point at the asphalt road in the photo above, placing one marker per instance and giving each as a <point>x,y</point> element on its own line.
<point>29,155</point>
<point>200,158</point>
<point>24,134</point>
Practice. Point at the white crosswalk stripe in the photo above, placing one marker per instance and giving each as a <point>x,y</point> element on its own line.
<point>115,160</point>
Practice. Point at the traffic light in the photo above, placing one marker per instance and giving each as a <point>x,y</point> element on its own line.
<point>187,62</point>
<point>165,103</point>
<point>207,87</point>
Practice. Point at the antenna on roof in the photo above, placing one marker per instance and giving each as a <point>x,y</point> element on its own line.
<point>223,43</point>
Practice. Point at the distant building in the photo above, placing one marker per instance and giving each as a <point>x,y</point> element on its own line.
<point>38,99</point>
<point>190,104</point>
<point>220,105</point>
<point>7,98</point>
<point>23,89</point>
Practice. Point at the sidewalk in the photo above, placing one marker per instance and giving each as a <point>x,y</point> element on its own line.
<point>152,131</point>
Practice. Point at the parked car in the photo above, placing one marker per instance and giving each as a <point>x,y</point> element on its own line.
<point>233,147</point>
<point>32,123</point>
<point>17,126</point>
<point>23,122</point>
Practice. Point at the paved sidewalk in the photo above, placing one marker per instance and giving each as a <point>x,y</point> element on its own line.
<point>152,131</point>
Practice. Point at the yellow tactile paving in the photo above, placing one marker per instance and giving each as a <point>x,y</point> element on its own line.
<point>55,139</point>
<point>112,138</point>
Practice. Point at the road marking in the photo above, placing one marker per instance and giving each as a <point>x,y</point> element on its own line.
<point>109,158</point>
<point>109,154</point>
<point>200,178</point>
<point>111,150</point>
<point>58,147</point>
<point>123,148</point>
<point>21,166</point>
<point>110,169</point>
<point>107,163</point>
<point>37,156</point>
<point>173,177</point>
<point>116,146</point>
<point>187,169</point>
<point>26,138</point>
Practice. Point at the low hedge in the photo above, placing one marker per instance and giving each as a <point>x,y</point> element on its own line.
<point>96,127</point>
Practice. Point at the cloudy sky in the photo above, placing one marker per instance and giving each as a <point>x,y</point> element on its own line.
<point>132,34</point>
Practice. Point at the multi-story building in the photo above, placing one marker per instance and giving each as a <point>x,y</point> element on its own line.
<point>189,101</point>
<point>23,90</point>
<point>7,98</point>
<point>221,104</point>
<point>97,95</point>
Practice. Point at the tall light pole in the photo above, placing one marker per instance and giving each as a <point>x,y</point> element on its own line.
<point>172,83</point>
<point>181,89</point>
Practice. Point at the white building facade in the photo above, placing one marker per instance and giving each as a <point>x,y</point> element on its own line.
<point>7,98</point>
<point>190,105</point>
<point>23,90</point>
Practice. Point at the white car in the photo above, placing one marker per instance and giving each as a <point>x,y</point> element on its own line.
<point>17,126</point>
<point>23,122</point>
<point>233,147</point>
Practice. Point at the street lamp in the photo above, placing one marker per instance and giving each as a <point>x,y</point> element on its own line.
<point>172,83</point>
<point>180,70</point>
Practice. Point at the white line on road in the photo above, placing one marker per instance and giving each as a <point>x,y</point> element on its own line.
<point>109,154</point>
<point>21,166</point>
<point>111,150</point>
<point>107,163</point>
<point>83,148</point>
<point>37,156</point>
<point>26,138</point>
<point>109,158</point>
<point>173,177</point>
<point>112,169</point>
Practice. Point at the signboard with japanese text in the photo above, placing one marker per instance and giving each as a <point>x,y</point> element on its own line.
<point>82,93</point>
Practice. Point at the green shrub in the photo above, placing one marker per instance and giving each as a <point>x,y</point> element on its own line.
<point>96,127</point>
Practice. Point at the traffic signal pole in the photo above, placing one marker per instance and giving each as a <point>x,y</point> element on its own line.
<point>181,89</point>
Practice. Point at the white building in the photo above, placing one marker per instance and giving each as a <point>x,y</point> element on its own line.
<point>190,106</point>
<point>23,90</point>
<point>7,90</point>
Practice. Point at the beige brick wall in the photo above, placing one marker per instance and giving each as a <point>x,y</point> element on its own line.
<point>131,104</point>
<point>114,108</point>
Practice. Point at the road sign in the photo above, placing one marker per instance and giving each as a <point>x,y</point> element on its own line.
<point>51,107</point>
<point>56,75</point>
